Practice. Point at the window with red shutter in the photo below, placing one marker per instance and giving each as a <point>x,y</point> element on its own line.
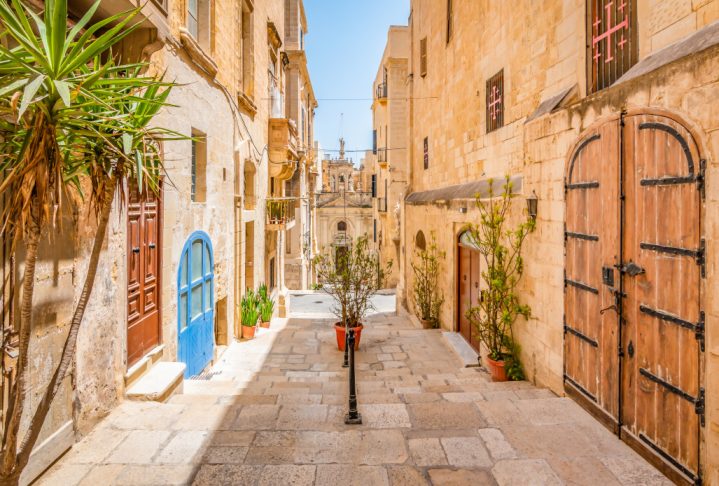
<point>495,101</point>
<point>611,41</point>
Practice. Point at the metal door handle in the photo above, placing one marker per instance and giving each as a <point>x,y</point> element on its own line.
<point>630,349</point>
<point>611,307</point>
<point>632,269</point>
<point>152,246</point>
<point>136,249</point>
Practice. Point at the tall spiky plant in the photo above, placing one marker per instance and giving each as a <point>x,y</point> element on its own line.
<point>68,113</point>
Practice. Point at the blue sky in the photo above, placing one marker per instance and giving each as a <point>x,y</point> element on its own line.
<point>344,46</point>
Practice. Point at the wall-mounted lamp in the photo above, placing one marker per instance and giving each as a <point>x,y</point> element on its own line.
<point>463,209</point>
<point>532,205</point>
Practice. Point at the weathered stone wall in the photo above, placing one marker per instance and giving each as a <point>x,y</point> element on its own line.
<point>390,117</point>
<point>542,52</point>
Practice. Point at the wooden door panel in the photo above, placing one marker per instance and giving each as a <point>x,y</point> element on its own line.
<point>662,309</point>
<point>143,322</point>
<point>464,291</point>
<point>592,219</point>
<point>474,292</point>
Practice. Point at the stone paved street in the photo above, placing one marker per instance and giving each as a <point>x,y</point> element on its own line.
<point>271,412</point>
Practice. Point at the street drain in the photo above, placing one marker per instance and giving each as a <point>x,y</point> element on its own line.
<point>318,302</point>
<point>207,375</point>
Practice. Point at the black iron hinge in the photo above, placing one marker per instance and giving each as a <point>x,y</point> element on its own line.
<point>701,257</point>
<point>701,177</point>
<point>699,406</point>
<point>699,330</point>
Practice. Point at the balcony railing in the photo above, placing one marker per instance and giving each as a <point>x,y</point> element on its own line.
<point>280,212</point>
<point>382,204</point>
<point>381,92</point>
<point>382,157</point>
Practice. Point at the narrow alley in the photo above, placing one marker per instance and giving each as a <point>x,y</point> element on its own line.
<point>271,412</point>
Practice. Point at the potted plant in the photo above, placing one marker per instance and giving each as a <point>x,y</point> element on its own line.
<point>499,306</point>
<point>267,306</point>
<point>351,275</point>
<point>250,309</point>
<point>427,296</point>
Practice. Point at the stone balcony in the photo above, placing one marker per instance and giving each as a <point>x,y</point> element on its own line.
<point>280,213</point>
<point>283,148</point>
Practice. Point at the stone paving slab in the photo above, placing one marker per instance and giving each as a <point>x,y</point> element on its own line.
<point>272,414</point>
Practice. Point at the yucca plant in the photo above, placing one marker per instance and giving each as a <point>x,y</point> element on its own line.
<point>69,113</point>
<point>267,308</point>
<point>250,309</point>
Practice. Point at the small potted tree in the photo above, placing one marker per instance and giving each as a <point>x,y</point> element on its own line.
<point>499,306</point>
<point>250,312</point>
<point>351,276</point>
<point>267,306</point>
<point>427,296</point>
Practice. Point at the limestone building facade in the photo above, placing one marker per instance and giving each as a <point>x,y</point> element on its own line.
<point>342,210</point>
<point>582,102</point>
<point>181,261</point>
<point>390,137</point>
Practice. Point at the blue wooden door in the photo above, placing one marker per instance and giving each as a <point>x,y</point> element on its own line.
<point>195,304</point>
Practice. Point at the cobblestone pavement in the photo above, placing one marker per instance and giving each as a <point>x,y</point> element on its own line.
<point>271,412</point>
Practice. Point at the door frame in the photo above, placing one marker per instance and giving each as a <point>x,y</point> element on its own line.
<point>457,288</point>
<point>602,416</point>
<point>186,247</point>
<point>160,278</point>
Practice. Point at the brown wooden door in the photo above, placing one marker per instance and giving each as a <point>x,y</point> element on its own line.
<point>633,321</point>
<point>468,292</point>
<point>143,274</point>
<point>662,239</point>
<point>591,325</point>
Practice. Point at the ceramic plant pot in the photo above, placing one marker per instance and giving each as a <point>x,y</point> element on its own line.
<point>426,324</point>
<point>496,369</point>
<point>248,332</point>
<point>340,331</point>
<point>266,325</point>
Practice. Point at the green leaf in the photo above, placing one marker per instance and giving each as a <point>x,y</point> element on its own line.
<point>13,86</point>
<point>64,90</point>
<point>29,93</point>
<point>138,159</point>
<point>127,143</point>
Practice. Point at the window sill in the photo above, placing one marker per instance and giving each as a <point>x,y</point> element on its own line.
<point>246,104</point>
<point>196,53</point>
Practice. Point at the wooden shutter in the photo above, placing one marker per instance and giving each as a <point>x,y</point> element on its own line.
<point>495,101</point>
<point>426,153</point>
<point>612,46</point>
<point>423,57</point>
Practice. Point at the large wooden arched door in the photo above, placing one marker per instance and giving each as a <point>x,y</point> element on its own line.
<point>634,263</point>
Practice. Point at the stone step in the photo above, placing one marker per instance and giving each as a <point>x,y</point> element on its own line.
<point>159,383</point>
<point>139,369</point>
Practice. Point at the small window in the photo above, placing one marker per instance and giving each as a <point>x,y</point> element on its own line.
<point>419,241</point>
<point>247,50</point>
<point>374,185</point>
<point>342,226</point>
<point>374,142</point>
<point>423,57</point>
<point>198,187</point>
<point>198,22</point>
<point>374,230</point>
<point>426,153</point>
<point>495,101</point>
<point>611,41</point>
<point>272,273</point>
<point>449,20</point>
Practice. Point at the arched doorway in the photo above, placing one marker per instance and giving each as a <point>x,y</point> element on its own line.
<point>633,330</point>
<point>195,304</point>
<point>468,287</point>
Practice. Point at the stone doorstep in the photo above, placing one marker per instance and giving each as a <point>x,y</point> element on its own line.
<point>139,369</point>
<point>468,356</point>
<point>160,383</point>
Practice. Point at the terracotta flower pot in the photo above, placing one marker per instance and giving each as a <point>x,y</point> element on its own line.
<point>496,369</point>
<point>266,325</point>
<point>248,332</point>
<point>340,331</point>
<point>426,324</point>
